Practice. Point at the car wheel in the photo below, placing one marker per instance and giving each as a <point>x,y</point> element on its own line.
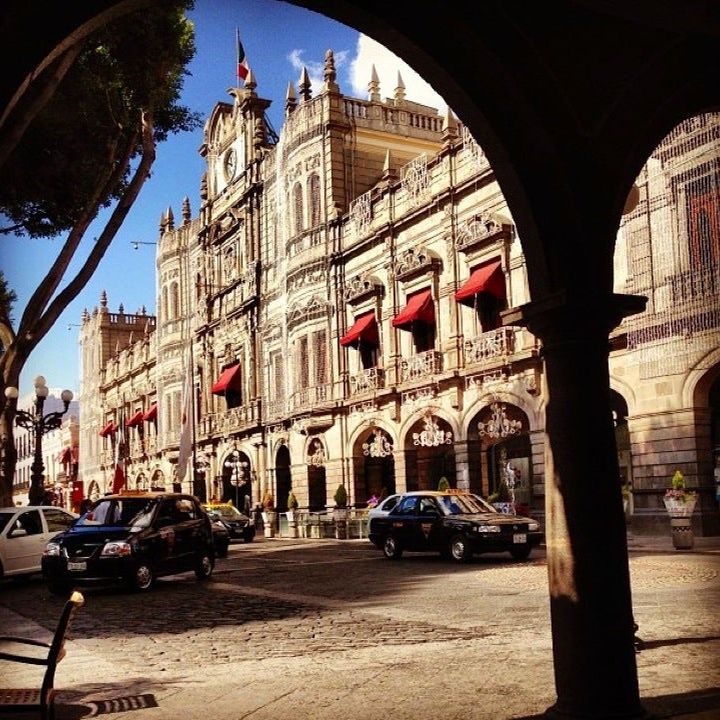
<point>204,568</point>
<point>143,578</point>
<point>521,553</point>
<point>460,550</point>
<point>392,548</point>
<point>59,589</point>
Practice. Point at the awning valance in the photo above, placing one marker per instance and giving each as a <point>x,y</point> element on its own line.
<point>136,419</point>
<point>487,278</point>
<point>420,308</point>
<point>364,330</point>
<point>151,414</point>
<point>109,429</point>
<point>229,380</point>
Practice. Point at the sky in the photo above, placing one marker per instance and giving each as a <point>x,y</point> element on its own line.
<point>279,39</point>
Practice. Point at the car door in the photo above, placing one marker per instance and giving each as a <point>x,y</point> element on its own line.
<point>429,535</point>
<point>25,541</point>
<point>403,521</point>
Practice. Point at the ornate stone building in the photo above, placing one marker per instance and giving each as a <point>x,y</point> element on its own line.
<point>339,301</point>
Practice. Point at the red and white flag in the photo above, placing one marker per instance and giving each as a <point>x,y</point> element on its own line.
<point>186,419</point>
<point>120,453</point>
<point>242,65</point>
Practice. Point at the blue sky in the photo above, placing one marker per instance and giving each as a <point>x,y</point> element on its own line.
<point>279,39</point>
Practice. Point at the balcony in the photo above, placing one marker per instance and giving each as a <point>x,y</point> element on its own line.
<point>491,346</point>
<point>310,397</point>
<point>367,380</point>
<point>421,366</point>
<point>229,421</point>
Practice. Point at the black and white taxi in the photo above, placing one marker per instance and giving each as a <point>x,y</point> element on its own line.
<point>455,524</point>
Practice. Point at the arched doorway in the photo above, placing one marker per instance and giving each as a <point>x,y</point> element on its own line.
<point>429,453</point>
<point>236,480</point>
<point>714,402</point>
<point>283,477</point>
<point>374,466</point>
<point>317,478</point>
<point>158,480</point>
<point>93,492</point>
<point>500,455</point>
<point>141,482</point>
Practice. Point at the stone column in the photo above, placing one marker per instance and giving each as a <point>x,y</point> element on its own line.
<point>589,578</point>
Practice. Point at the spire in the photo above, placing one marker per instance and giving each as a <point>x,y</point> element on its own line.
<point>399,90</point>
<point>304,86</point>
<point>186,210</point>
<point>290,99</point>
<point>374,86</point>
<point>388,174</point>
<point>85,315</point>
<point>330,74</point>
<point>121,309</point>
<point>169,219</point>
<point>449,128</point>
<point>103,299</point>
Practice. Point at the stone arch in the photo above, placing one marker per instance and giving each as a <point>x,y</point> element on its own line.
<point>283,475</point>
<point>532,408</point>
<point>315,458</point>
<point>373,457</point>
<point>236,473</point>
<point>699,379</point>
<point>428,447</point>
<point>157,481</point>
<point>626,390</point>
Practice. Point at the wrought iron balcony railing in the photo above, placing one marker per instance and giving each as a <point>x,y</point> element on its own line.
<point>421,366</point>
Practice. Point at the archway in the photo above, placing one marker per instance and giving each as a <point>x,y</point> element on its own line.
<point>500,455</point>
<point>236,480</point>
<point>283,477</point>
<point>317,476</point>
<point>157,481</point>
<point>429,453</point>
<point>141,481</point>
<point>714,402</point>
<point>374,466</point>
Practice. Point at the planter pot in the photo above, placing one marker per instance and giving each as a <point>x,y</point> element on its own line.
<point>340,516</point>
<point>292,523</point>
<point>682,534</point>
<point>680,508</point>
<point>269,523</point>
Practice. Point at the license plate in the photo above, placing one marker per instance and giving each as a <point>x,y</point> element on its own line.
<point>519,538</point>
<point>77,566</point>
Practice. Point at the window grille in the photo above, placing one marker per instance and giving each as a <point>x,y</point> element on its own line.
<point>673,250</point>
<point>320,355</point>
<point>298,208</point>
<point>314,198</point>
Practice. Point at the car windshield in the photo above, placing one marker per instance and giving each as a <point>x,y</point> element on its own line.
<point>127,512</point>
<point>227,512</point>
<point>464,504</point>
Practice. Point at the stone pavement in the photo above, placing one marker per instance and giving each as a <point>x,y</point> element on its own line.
<point>321,629</point>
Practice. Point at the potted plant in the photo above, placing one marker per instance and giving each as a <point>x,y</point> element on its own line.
<point>340,512</point>
<point>268,515</point>
<point>443,485</point>
<point>292,505</point>
<point>680,503</point>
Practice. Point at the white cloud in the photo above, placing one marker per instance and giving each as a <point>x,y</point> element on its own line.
<point>387,66</point>
<point>315,69</point>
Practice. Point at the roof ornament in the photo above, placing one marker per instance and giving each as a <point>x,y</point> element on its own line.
<point>330,74</point>
<point>374,86</point>
<point>304,86</point>
<point>399,90</point>
<point>290,99</point>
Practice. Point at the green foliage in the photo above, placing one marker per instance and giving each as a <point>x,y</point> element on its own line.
<point>443,484</point>
<point>135,64</point>
<point>341,496</point>
<point>292,502</point>
<point>7,299</point>
<point>678,481</point>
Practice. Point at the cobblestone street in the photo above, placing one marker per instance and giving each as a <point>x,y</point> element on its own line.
<point>329,629</point>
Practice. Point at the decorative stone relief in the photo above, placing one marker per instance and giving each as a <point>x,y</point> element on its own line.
<point>315,308</point>
<point>360,213</point>
<point>471,147</point>
<point>481,228</point>
<point>414,261</point>
<point>415,180</point>
<point>360,287</point>
<point>309,275</point>
<point>316,454</point>
<point>363,408</point>
<point>378,444</point>
<point>431,435</point>
<point>418,398</point>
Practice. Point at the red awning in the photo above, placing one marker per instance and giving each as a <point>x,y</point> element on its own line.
<point>487,278</point>
<point>420,308</point>
<point>364,330</point>
<point>151,414</point>
<point>228,380</point>
<point>136,419</point>
<point>65,455</point>
<point>109,429</point>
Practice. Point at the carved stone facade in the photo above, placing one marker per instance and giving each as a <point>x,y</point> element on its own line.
<point>339,296</point>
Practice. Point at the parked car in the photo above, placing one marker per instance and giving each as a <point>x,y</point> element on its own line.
<point>24,532</point>
<point>131,538</point>
<point>238,525</point>
<point>455,524</point>
<point>221,537</point>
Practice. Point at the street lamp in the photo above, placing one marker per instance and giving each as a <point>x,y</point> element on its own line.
<point>38,424</point>
<point>202,465</point>
<point>237,472</point>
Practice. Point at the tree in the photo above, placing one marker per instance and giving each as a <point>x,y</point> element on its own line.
<point>90,147</point>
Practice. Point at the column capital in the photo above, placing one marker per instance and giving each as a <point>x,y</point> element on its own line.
<point>561,315</point>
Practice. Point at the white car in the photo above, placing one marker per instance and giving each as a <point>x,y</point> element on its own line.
<point>383,507</point>
<point>24,533</point>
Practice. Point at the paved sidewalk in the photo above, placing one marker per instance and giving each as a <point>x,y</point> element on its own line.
<point>290,629</point>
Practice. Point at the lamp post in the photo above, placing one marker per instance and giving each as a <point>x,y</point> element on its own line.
<point>38,423</point>
<point>237,472</point>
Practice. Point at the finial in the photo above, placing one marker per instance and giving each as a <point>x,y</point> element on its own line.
<point>121,309</point>
<point>103,299</point>
<point>143,310</point>
<point>374,86</point>
<point>259,133</point>
<point>388,174</point>
<point>85,315</point>
<point>170,219</point>
<point>400,89</point>
<point>290,99</point>
<point>186,210</point>
<point>330,74</point>
<point>163,223</point>
<point>250,83</point>
<point>304,86</point>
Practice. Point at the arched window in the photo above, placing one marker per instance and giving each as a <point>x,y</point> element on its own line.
<point>313,187</point>
<point>298,208</point>
<point>174,301</point>
<point>165,306</point>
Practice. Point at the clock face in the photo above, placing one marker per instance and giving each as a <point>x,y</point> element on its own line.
<point>230,164</point>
